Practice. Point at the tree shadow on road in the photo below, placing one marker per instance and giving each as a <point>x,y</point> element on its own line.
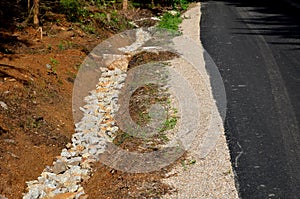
<point>277,19</point>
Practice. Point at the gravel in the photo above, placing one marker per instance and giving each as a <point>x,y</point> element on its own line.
<point>3,105</point>
<point>210,175</point>
<point>90,139</point>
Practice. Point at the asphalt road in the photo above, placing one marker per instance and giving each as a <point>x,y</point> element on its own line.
<point>256,46</point>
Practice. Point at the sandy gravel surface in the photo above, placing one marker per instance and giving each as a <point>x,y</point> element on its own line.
<point>207,172</point>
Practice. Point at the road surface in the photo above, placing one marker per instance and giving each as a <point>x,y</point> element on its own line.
<point>256,46</point>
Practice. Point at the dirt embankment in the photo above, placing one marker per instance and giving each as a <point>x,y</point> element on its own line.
<point>37,72</point>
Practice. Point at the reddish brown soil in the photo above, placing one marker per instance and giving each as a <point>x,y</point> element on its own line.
<point>38,122</point>
<point>107,183</point>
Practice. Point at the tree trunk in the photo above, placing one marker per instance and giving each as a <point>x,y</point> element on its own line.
<point>28,6</point>
<point>36,13</point>
<point>125,4</point>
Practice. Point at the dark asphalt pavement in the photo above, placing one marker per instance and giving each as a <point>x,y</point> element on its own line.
<point>256,46</point>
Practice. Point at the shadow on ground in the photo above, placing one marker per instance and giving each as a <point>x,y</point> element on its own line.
<point>280,19</point>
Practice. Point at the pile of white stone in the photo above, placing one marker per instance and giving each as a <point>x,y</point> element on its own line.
<point>96,128</point>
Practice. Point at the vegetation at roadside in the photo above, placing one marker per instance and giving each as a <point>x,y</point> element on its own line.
<point>106,14</point>
<point>170,21</point>
<point>95,14</point>
<point>140,103</point>
<point>91,15</point>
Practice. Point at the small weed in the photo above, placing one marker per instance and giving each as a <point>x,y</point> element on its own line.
<point>175,110</point>
<point>54,61</point>
<point>191,162</point>
<point>69,44</point>
<point>170,22</point>
<point>100,16</point>
<point>168,101</point>
<point>89,28</point>
<point>34,123</point>
<point>53,68</point>
<point>186,163</point>
<point>144,117</point>
<point>183,164</point>
<point>61,46</point>
<point>122,138</point>
<point>183,4</point>
<point>19,27</point>
<point>77,66</point>
<point>169,124</point>
<point>60,81</point>
<point>72,75</point>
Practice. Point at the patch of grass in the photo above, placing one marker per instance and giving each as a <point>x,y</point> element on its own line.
<point>170,22</point>
<point>100,16</point>
<point>169,124</point>
<point>112,20</point>
<point>171,121</point>
<point>92,20</point>
<point>144,117</point>
<point>33,123</point>
<point>102,4</point>
<point>181,4</point>
<point>74,9</point>
<point>89,28</point>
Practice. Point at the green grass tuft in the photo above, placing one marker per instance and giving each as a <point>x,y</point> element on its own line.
<point>170,22</point>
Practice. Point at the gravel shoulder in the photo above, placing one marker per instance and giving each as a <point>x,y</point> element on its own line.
<point>204,174</point>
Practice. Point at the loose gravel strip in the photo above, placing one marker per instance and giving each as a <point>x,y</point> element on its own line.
<point>203,175</point>
<point>97,127</point>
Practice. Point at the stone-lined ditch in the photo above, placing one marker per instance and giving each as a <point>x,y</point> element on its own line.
<point>98,127</point>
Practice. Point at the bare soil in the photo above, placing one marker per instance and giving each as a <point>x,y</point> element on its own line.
<point>109,183</point>
<point>36,81</point>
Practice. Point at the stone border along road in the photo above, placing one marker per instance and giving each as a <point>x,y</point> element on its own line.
<point>210,177</point>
